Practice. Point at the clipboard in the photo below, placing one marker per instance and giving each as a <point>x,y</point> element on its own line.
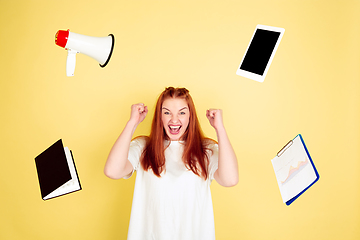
<point>294,169</point>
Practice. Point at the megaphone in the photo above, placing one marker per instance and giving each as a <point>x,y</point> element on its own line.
<point>99,48</point>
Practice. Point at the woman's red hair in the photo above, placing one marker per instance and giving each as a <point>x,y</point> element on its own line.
<point>194,156</point>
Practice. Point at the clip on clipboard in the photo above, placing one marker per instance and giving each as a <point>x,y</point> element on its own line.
<point>294,169</point>
<point>284,148</point>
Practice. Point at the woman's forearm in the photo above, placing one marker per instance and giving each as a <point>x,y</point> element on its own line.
<point>117,164</point>
<point>227,173</point>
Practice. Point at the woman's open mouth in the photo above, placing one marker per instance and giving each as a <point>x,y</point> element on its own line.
<point>174,129</point>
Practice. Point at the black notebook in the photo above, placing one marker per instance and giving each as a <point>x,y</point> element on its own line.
<point>56,171</point>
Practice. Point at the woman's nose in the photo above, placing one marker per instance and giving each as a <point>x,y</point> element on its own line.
<point>174,118</point>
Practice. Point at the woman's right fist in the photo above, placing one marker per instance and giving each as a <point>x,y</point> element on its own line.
<point>138,112</point>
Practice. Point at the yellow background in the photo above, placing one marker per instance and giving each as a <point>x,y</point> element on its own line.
<point>312,88</point>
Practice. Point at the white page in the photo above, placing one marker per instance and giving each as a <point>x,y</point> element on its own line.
<point>294,171</point>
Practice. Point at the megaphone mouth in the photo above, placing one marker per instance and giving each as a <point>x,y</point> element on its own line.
<point>61,37</point>
<point>111,51</point>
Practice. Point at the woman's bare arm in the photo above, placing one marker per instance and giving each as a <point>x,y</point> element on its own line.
<point>227,174</point>
<point>117,165</point>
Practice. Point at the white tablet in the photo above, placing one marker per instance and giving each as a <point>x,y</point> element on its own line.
<point>260,52</point>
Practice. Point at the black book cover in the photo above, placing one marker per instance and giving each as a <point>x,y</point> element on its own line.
<point>52,168</point>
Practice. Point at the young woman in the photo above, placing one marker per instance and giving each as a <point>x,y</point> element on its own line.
<point>175,166</point>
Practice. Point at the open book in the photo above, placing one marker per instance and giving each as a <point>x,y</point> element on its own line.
<point>56,171</point>
<point>294,169</point>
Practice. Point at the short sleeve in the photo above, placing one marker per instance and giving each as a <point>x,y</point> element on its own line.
<point>214,159</point>
<point>136,148</point>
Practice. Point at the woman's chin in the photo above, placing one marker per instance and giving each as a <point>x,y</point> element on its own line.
<point>174,137</point>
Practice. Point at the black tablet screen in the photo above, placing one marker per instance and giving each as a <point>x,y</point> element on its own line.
<point>259,52</point>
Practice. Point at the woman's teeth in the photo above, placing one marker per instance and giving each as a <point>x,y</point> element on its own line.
<point>174,129</point>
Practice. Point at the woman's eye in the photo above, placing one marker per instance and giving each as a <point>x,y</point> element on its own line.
<point>166,113</point>
<point>182,113</point>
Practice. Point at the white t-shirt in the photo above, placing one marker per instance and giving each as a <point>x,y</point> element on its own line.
<point>176,206</point>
